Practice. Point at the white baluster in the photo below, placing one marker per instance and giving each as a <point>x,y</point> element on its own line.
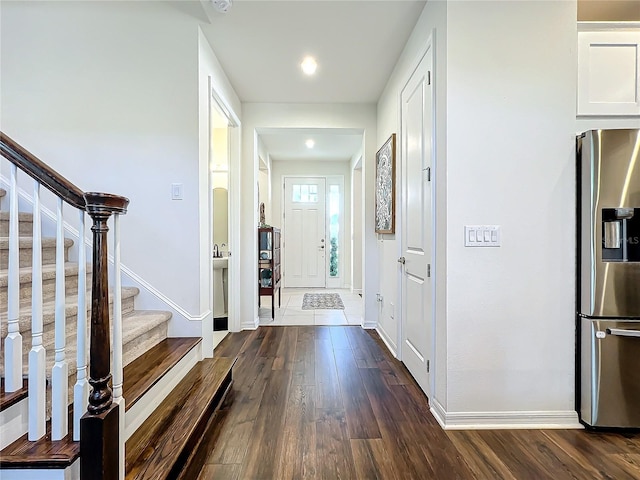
<point>118,369</point>
<point>13,341</point>
<point>60,371</point>
<point>81,388</point>
<point>117,312</point>
<point>37,355</point>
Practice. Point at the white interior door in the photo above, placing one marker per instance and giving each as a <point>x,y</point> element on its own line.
<point>416,227</point>
<point>303,232</point>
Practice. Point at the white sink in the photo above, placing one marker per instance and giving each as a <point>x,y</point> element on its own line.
<point>220,272</point>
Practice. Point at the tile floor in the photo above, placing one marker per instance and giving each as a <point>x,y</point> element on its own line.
<point>290,311</point>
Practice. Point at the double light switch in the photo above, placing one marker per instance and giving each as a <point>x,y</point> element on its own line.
<point>482,236</point>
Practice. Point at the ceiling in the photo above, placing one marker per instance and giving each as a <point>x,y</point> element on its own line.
<point>331,144</point>
<point>261,43</point>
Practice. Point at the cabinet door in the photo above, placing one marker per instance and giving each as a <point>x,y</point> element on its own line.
<point>609,73</point>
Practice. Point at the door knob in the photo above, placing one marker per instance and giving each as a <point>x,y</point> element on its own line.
<point>401,260</point>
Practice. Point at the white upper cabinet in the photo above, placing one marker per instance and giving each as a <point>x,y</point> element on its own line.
<point>609,72</point>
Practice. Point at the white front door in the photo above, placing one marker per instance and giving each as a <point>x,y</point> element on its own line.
<point>417,321</point>
<point>304,232</point>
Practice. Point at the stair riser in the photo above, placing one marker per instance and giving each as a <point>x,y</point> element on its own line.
<point>131,350</point>
<point>144,342</point>
<point>25,227</point>
<point>26,256</point>
<point>71,317</point>
<point>48,338</point>
<point>48,289</point>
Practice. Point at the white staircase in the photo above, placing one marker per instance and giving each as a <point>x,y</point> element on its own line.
<point>141,329</point>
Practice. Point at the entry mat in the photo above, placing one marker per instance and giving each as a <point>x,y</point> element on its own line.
<point>317,301</point>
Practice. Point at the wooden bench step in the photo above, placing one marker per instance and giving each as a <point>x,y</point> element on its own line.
<point>146,370</point>
<point>43,453</point>
<point>139,376</point>
<point>9,399</point>
<point>169,439</point>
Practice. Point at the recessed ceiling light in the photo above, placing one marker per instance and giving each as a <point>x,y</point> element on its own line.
<point>309,65</point>
<point>309,143</point>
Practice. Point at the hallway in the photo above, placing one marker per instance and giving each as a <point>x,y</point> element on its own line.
<point>331,403</point>
<point>290,311</point>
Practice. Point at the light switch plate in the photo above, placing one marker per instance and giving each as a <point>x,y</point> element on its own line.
<point>482,236</point>
<point>176,191</point>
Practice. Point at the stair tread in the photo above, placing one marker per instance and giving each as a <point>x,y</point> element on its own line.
<point>134,325</point>
<point>48,272</point>
<point>43,453</point>
<point>145,371</point>
<point>71,302</point>
<point>9,399</point>
<point>152,451</point>
<point>46,453</point>
<point>26,242</point>
<point>22,216</point>
<point>140,321</point>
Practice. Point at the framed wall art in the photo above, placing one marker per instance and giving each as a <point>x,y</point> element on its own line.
<point>385,186</point>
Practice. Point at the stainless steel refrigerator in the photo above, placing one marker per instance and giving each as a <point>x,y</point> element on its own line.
<point>609,277</point>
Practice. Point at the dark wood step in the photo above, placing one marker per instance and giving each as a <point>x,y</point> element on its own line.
<point>146,370</point>
<point>43,453</point>
<point>169,439</point>
<point>9,399</point>
<point>139,376</point>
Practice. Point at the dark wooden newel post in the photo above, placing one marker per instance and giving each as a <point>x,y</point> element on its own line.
<point>99,427</point>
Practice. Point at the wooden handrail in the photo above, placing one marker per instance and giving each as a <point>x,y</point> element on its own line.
<point>41,172</point>
<point>99,426</point>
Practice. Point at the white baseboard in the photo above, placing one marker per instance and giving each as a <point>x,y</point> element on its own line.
<point>138,413</point>
<point>393,348</point>
<point>182,323</point>
<point>368,324</point>
<point>504,420</point>
<point>14,422</point>
<point>70,473</point>
<point>250,325</point>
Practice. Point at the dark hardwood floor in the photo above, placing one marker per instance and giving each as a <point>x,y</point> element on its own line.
<point>331,403</point>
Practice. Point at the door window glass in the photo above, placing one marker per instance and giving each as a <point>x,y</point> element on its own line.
<point>304,193</point>
<point>334,230</point>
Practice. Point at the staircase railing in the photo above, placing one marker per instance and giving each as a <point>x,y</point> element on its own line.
<point>96,415</point>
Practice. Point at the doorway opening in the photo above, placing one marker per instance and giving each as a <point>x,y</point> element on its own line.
<point>220,206</point>
<point>309,195</point>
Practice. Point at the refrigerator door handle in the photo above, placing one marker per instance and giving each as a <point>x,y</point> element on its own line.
<point>623,333</point>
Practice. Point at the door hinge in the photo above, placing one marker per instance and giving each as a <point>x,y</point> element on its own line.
<point>429,77</point>
<point>428,270</point>
<point>428,170</point>
<point>428,366</point>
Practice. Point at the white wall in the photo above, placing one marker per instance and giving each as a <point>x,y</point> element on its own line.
<point>264,181</point>
<point>265,194</point>
<point>431,24</point>
<point>107,94</point>
<point>505,134</point>
<point>256,116</point>
<point>281,169</point>
<point>511,90</point>
<point>356,230</point>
